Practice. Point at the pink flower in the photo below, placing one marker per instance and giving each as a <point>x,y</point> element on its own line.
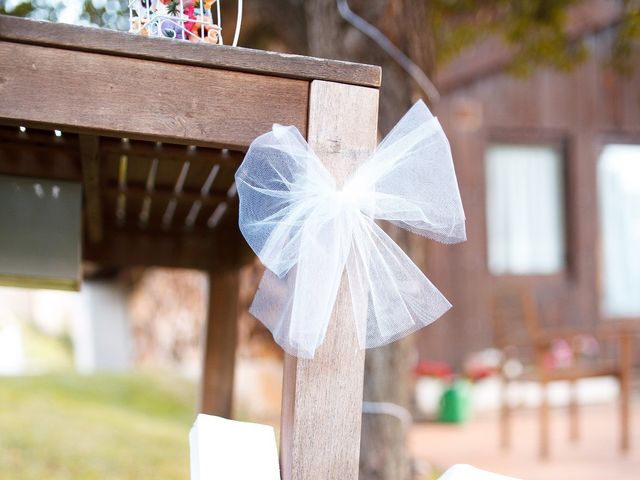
<point>190,12</point>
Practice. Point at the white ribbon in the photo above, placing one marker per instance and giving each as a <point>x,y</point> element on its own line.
<point>307,232</point>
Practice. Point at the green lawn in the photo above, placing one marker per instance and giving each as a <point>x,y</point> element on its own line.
<point>70,426</point>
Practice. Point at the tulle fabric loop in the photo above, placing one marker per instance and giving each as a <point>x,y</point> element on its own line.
<point>307,232</point>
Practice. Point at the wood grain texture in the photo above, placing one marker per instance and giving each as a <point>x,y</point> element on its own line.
<point>74,37</point>
<point>220,338</point>
<point>322,397</point>
<point>91,186</point>
<point>127,97</point>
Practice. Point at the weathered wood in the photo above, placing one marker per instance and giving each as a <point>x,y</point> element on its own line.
<point>322,398</point>
<point>91,186</point>
<point>119,96</point>
<point>220,338</point>
<point>74,37</point>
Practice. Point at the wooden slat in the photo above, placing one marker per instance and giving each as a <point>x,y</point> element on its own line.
<point>166,194</point>
<point>91,186</point>
<point>118,96</point>
<point>322,397</point>
<point>220,338</point>
<point>222,57</point>
<point>170,152</point>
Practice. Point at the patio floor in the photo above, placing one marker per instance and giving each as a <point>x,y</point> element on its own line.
<point>594,456</point>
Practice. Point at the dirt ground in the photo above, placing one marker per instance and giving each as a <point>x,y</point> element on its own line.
<point>595,456</point>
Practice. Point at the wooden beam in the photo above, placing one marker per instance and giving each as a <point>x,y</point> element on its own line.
<point>109,42</point>
<point>224,250</point>
<point>91,186</point>
<point>40,163</point>
<point>164,193</point>
<point>322,398</point>
<point>171,152</point>
<point>133,98</point>
<point>220,338</point>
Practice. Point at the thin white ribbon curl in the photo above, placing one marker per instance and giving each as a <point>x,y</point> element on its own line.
<point>307,232</point>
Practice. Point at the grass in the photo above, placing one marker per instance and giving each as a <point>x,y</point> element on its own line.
<point>71,426</point>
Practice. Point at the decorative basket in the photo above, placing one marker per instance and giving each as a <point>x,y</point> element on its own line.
<point>190,20</point>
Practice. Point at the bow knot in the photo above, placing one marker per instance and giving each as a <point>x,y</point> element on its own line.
<point>308,232</point>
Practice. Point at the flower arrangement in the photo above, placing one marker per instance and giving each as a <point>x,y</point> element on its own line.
<point>190,20</point>
<point>566,353</point>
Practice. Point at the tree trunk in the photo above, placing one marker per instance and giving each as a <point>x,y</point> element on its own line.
<point>384,455</point>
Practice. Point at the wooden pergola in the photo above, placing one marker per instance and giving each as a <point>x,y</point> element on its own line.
<point>154,130</point>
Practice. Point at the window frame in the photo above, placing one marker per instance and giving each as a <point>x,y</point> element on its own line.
<point>601,142</point>
<point>559,141</point>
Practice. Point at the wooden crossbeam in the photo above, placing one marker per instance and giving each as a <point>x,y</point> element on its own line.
<point>167,151</point>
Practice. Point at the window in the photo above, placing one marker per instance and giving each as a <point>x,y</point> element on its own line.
<point>525,209</point>
<point>619,199</point>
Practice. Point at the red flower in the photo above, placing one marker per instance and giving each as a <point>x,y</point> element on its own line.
<point>427,368</point>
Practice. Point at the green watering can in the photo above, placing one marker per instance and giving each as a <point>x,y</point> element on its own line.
<point>455,403</point>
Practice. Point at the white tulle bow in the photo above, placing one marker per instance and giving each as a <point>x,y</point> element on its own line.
<point>307,232</point>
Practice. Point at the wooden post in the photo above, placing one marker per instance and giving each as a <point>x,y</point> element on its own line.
<point>626,364</point>
<point>574,405</point>
<point>220,337</point>
<point>322,398</point>
<point>544,422</point>
<point>505,415</point>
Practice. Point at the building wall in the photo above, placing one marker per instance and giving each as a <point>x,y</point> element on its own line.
<point>581,111</point>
